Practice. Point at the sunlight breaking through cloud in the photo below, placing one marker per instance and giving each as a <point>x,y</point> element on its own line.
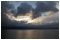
<point>25,18</point>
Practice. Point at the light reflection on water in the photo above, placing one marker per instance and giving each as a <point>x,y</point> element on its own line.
<point>33,34</point>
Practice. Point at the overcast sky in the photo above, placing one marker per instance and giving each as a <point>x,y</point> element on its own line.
<point>33,12</point>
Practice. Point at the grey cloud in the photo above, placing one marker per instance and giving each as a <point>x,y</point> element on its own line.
<point>23,9</point>
<point>26,8</point>
<point>44,6</point>
<point>5,5</point>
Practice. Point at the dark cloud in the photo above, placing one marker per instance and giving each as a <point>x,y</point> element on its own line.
<point>24,8</point>
<point>44,7</point>
<point>41,7</point>
<point>30,25</point>
<point>14,11</point>
<point>5,6</point>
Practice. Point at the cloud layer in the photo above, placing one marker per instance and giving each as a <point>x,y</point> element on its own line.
<point>42,7</point>
<point>24,8</point>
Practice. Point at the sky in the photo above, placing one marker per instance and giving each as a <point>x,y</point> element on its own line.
<point>16,13</point>
<point>32,3</point>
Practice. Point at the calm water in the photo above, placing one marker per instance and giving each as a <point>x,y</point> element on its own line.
<point>31,34</point>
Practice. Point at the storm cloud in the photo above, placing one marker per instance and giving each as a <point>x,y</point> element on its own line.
<point>41,7</point>
<point>5,6</point>
<point>44,6</point>
<point>23,9</point>
<point>13,11</point>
